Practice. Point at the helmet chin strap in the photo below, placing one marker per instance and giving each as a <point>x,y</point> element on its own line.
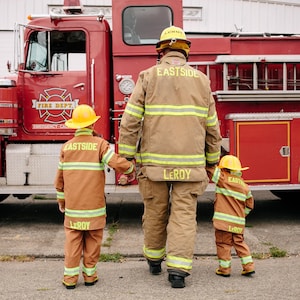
<point>158,58</point>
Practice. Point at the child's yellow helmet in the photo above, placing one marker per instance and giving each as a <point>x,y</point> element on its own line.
<point>83,116</point>
<point>231,162</point>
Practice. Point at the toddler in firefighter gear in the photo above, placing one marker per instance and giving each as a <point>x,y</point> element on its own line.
<point>233,203</point>
<point>170,126</point>
<point>79,183</point>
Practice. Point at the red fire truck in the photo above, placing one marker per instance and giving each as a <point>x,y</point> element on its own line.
<point>73,56</point>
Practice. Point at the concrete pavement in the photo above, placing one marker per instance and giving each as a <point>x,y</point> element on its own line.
<point>43,238</point>
<point>130,280</point>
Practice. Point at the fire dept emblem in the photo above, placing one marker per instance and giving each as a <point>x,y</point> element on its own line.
<point>55,105</point>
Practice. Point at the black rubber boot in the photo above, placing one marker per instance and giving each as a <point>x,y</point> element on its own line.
<point>177,278</point>
<point>154,266</point>
<point>177,281</point>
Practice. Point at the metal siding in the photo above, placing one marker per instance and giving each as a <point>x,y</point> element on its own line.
<point>250,15</point>
<point>213,16</point>
<point>217,16</point>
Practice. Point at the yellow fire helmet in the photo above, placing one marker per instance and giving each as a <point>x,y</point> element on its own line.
<point>231,162</point>
<point>173,38</point>
<point>83,116</point>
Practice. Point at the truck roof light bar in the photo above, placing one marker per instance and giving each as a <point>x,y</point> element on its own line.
<point>55,16</point>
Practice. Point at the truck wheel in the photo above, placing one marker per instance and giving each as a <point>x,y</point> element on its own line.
<point>287,195</point>
<point>21,196</point>
<point>3,197</point>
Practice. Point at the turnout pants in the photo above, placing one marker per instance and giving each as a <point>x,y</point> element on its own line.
<point>169,224</point>
<point>81,243</point>
<point>224,242</point>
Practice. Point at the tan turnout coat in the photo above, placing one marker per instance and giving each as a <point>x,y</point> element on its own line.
<point>80,179</point>
<point>173,122</point>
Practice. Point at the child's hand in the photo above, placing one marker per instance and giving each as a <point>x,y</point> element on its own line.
<point>131,177</point>
<point>126,179</point>
<point>61,206</point>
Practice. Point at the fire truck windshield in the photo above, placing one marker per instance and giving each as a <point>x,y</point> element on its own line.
<point>144,24</point>
<point>56,51</point>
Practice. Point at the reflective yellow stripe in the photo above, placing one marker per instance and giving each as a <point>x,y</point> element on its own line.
<point>134,110</point>
<point>107,156</point>
<point>216,175</point>
<point>176,110</point>
<point>154,254</point>
<point>86,213</point>
<point>88,166</point>
<point>231,193</point>
<point>71,271</point>
<point>127,149</point>
<point>60,195</point>
<point>60,166</point>
<point>213,157</point>
<point>247,210</point>
<point>89,271</point>
<point>83,131</point>
<point>212,120</point>
<point>167,159</point>
<point>129,170</point>
<point>246,260</point>
<point>224,263</point>
<point>229,218</point>
<point>179,262</point>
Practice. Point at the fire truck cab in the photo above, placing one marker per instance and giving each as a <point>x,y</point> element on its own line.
<point>73,56</point>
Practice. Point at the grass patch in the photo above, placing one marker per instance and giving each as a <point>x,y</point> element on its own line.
<point>276,252</point>
<point>115,257</point>
<point>112,229</point>
<point>261,255</point>
<point>273,252</point>
<point>267,244</point>
<point>19,258</point>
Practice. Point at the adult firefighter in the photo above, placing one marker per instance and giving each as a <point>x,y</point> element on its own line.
<point>171,116</point>
<point>79,182</point>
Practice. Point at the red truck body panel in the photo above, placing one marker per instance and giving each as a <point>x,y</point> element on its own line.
<point>71,59</point>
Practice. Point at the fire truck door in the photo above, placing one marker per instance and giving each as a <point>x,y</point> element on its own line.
<point>55,79</point>
<point>264,146</point>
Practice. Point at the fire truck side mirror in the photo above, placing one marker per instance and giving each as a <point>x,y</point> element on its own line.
<point>21,66</point>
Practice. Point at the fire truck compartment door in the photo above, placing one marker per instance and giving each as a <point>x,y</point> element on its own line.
<point>264,146</point>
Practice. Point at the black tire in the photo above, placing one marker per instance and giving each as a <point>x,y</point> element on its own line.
<point>21,196</point>
<point>3,197</point>
<point>287,195</point>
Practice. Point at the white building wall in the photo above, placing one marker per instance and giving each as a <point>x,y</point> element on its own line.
<point>204,16</point>
<point>250,15</point>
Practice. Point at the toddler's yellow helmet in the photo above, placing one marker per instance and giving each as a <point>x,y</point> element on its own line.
<point>173,38</point>
<point>231,162</point>
<point>83,116</point>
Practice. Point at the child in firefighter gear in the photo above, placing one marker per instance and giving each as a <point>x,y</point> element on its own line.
<point>233,203</point>
<point>79,183</point>
<point>171,116</point>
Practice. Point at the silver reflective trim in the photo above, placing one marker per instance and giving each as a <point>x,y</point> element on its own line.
<point>263,116</point>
